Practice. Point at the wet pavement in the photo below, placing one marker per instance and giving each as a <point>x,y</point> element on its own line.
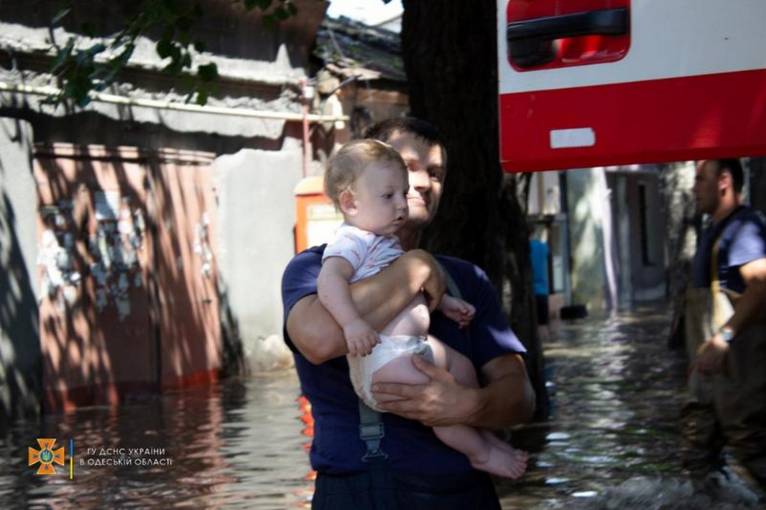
<point>612,441</point>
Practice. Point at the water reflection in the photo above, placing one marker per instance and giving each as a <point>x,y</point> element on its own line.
<point>237,445</point>
<point>612,442</point>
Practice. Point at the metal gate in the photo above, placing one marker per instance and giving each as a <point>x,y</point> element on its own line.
<point>127,270</point>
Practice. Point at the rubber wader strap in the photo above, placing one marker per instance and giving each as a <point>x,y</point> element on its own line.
<point>371,432</point>
<point>371,429</point>
<point>452,287</point>
<point>716,315</point>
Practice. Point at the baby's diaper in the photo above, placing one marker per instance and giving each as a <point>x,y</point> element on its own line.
<point>361,368</point>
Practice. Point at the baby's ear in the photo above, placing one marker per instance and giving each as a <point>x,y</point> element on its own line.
<point>347,202</point>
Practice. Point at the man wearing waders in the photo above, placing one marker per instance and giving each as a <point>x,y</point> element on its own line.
<point>726,329</point>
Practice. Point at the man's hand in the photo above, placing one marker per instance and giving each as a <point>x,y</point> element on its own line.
<point>360,337</point>
<point>711,355</point>
<point>441,401</point>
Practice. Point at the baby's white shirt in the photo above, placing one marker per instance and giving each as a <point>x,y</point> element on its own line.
<point>368,253</point>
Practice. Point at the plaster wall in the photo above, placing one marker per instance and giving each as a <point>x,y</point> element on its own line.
<point>255,224</point>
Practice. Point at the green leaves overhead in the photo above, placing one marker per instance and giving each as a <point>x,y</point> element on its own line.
<point>81,71</point>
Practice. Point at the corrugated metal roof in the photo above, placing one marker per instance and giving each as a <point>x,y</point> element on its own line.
<point>348,48</point>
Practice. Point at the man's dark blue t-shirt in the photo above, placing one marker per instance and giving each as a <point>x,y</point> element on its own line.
<point>742,239</point>
<point>411,447</point>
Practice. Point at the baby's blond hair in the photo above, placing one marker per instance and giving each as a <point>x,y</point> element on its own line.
<point>351,160</point>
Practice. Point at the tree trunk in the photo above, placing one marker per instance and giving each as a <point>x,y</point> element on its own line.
<point>677,201</point>
<point>449,51</point>
<point>758,183</point>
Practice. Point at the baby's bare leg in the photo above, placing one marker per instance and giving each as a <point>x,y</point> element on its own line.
<point>398,370</point>
<point>457,364</point>
<point>484,453</point>
<point>462,368</point>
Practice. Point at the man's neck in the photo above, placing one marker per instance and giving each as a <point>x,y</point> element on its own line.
<point>725,208</point>
<point>410,239</point>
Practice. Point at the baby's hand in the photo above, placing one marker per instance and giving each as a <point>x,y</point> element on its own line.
<point>360,337</point>
<point>457,310</point>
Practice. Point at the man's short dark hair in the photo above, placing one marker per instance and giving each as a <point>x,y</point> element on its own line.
<point>734,167</point>
<point>385,130</point>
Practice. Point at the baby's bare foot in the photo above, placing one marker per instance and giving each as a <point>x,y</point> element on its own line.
<point>493,440</point>
<point>500,462</point>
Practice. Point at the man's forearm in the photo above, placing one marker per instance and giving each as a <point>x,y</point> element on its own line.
<point>335,295</point>
<point>314,332</point>
<point>378,299</point>
<point>749,307</point>
<point>381,298</point>
<point>508,399</point>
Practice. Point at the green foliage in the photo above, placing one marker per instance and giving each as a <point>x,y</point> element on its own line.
<point>81,71</point>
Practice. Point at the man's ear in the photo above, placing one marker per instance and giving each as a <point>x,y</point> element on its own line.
<point>347,202</point>
<point>725,180</point>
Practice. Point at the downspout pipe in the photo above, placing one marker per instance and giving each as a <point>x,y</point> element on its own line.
<point>307,94</point>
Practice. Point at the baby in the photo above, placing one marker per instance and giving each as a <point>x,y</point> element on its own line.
<point>367,180</point>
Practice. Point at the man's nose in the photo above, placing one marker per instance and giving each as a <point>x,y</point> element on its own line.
<point>419,179</point>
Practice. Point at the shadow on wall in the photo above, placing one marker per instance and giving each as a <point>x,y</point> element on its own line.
<point>233,361</point>
<point>20,369</point>
<point>130,300</point>
<point>20,354</point>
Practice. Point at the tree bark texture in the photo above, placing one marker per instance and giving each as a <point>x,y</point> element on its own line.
<point>449,52</point>
<point>681,225</point>
<point>758,183</point>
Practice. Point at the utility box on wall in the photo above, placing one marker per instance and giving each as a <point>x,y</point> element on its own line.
<point>316,218</point>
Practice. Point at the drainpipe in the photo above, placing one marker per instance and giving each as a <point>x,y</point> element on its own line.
<point>170,105</point>
<point>307,94</point>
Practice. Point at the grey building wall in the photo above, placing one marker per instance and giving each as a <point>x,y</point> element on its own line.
<point>20,369</point>
<point>646,249</point>
<point>255,225</point>
<point>618,236</point>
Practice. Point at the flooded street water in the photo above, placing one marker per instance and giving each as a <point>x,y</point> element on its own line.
<point>612,441</point>
<point>236,445</point>
<point>616,392</point>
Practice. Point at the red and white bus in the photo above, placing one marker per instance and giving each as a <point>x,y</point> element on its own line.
<point>586,83</point>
